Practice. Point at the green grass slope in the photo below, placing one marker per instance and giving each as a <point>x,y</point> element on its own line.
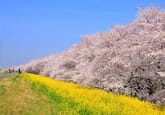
<point>18,97</point>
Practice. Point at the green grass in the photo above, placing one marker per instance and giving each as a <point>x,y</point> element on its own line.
<point>18,97</point>
<point>66,106</point>
<point>15,79</point>
<point>4,72</point>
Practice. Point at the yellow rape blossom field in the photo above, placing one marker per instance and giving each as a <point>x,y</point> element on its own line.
<point>75,100</point>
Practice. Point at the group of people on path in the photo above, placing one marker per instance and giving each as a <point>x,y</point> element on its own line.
<point>12,70</point>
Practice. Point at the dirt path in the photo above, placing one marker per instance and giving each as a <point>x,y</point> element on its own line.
<point>7,75</point>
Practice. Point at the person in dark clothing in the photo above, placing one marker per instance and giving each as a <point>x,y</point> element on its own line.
<point>19,70</point>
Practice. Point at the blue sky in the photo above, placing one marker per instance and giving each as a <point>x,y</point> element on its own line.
<point>30,29</point>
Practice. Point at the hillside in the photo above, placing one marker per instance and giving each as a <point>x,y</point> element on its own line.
<point>125,60</point>
<point>29,94</point>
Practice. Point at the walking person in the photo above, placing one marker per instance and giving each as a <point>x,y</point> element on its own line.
<point>19,71</point>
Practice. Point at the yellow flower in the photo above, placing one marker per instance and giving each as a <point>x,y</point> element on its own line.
<point>94,100</point>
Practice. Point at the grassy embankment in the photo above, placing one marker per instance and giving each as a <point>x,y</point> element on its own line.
<point>29,94</point>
